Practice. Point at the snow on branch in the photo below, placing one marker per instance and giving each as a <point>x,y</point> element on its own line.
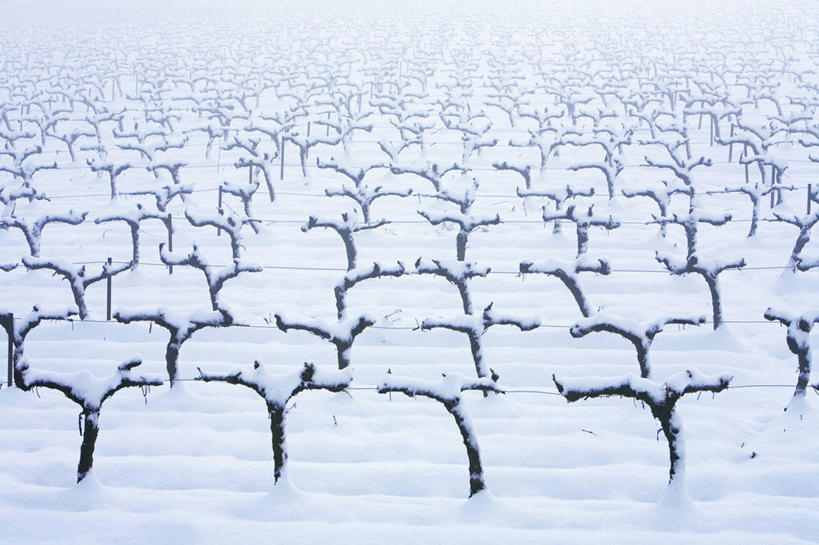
<point>171,167</point>
<point>305,143</point>
<point>431,172</point>
<point>456,273</point>
<point>32,229</point>
<point>610,169</point>
<point>365,196</point>
<point>112,169</point>
<point>245,192</point>
<point>662,197</point>
<point>76,275</point>
<point>583,221</point>
<point>475,326</point>
<point>466,223</point>
<point>164,194</point>
<point>641,335</point>
<point>231,224</point>
<point>681,167</point>
<point>755,193</point>
<point>393,149</point>
<point>277,391</point>
<point>26,324</point>
<point>263,165</point>
<point>360,274</point>
<point>89,392</point>
<point>356,175</point>
<point>708,269</point>
<point>661,399</point>
<point>345,228</point>
<point>214,276</point>
<point>805,225</point>
<point>360,192</point>
<point>557,195</point>
<point>547,139</point>
<point>342,334</point>
<point>180,328</point>
<point>473,143</point>
<point>567,272</point>
<point>19,328</point>
<point>34,162</point>
<point>10,192</point>
<point>646,390</point>
<point>448,391</point>
<point>798,339</point>
<point>133,217</point>
<point>524,171</point>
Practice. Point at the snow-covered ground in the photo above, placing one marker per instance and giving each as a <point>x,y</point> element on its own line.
<point>194,464</point>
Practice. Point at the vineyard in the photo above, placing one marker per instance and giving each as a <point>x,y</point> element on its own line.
<point>409,273</point>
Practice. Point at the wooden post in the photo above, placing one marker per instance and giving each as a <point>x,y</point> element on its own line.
<point>281,167</point>
<point>170,241</point>
<point>308,129</point>
<point>731,145</point>
<point>108,287</point>
<point>11,350</point>
<point>809,188</point>
<point>711,131</point>
<point>221,212</point>
<point>218,158</point>
<point>328,126</point>
<point>773,182</point>
<point>8,324</point>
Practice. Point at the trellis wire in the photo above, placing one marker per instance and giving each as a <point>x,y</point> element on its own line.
<point>491,272</point>
<point>515,391</point>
